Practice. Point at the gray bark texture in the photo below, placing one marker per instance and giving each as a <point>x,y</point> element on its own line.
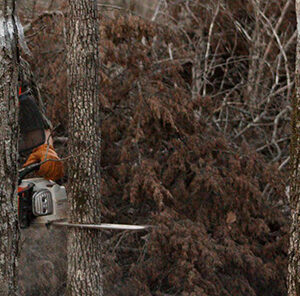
<point>294,250</point>
<point>84,246</point>
<point>9,232</point>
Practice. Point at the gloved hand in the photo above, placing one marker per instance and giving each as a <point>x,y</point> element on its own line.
<point>51,170</point>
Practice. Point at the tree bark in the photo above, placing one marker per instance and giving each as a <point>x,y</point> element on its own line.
<point>84,246</point>
<point>294,250</point>
<point>255,55</point>
<point>9,232</point>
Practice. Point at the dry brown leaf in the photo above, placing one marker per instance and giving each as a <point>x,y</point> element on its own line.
<point>231,217</point>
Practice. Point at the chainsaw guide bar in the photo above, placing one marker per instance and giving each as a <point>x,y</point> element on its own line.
<point>100,226</point>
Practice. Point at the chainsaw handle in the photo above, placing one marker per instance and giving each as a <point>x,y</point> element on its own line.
<point>27,170</point>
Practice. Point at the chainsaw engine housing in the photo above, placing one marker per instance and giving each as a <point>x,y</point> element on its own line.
<point>41,201</point>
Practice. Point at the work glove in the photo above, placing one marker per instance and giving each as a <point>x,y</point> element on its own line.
<point>51,170</point>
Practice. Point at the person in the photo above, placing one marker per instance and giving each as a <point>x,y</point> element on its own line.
<point>35,135</point>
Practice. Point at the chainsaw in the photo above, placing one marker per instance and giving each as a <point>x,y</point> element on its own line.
<point>44,202</point>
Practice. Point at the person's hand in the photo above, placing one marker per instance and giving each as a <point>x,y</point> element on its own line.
<point>51,170</point>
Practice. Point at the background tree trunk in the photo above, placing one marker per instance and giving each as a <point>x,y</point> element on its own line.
<point>84,246</point>
<point>294,251</point>
<point>9,233</point>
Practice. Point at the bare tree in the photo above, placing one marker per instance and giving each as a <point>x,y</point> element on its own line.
<point>84,246</point>
<point>9,232</point>
<point>294,251</point>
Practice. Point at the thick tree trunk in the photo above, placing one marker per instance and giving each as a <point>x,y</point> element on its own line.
<point>9,233</point>
<point>84,246</point>
<point>294,251</point>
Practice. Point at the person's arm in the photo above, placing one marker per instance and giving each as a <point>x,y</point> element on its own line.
<point>48,137</point>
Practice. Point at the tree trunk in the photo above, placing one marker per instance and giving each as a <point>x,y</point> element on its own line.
<point>294,251</point>
<point>84,246</point>
<point>256,63</point>
<point>9,233</point>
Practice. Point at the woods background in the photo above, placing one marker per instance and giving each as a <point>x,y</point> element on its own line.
<point>195,108</point>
